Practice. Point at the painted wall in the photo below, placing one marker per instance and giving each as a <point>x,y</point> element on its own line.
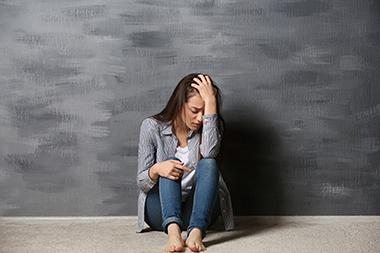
<point>300,81</point>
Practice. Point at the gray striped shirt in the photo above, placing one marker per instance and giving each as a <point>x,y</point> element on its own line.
<point>157,143</point>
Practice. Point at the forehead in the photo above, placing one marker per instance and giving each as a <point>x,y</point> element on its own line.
<point>195,101</point>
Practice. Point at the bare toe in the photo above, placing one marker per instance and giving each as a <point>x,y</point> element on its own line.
<point>196,247</point>
<point>179,248</point>
<point>169,248</point>
<point>175,245</point>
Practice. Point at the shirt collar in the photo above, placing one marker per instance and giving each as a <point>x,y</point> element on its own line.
<point>167,130</point>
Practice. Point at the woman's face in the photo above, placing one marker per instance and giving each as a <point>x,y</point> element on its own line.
<point>193,111</point>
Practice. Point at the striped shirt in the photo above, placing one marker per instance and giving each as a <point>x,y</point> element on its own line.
<point>157,143</point>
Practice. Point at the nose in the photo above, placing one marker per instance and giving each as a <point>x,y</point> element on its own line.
<point>199,117</point>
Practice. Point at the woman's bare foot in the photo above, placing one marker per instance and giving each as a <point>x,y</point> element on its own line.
<point>194,240</point>
<point>175,242</point>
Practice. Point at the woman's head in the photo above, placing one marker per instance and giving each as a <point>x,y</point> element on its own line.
<point>185,106</point>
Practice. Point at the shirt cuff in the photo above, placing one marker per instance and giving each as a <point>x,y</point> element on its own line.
<point>210,120</point>
<point>150,181</point>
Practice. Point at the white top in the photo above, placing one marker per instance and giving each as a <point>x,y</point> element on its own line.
<point>187,177</point>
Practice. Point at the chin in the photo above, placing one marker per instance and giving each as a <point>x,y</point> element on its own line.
<point>193,127</point>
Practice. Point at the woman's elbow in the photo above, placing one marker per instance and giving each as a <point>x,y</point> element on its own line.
<point>212,153</point>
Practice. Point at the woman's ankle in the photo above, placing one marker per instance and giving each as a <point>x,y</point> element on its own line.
<point>196,231</point>
<point>173,228</point>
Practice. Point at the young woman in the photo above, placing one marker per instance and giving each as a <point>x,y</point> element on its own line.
<point>180,186</point>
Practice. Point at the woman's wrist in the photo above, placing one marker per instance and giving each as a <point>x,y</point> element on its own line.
<point>152,172</point>
<point>210,106</point>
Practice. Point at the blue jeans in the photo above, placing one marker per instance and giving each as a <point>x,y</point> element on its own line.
<point>201,209</point>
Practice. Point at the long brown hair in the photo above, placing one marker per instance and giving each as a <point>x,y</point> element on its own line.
<point>181,94</point>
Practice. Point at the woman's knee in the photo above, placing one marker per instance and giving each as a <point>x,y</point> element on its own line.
<point>208,164</point>
<point>207,160</point>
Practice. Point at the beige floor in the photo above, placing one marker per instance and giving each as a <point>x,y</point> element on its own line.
<point>253,234</point>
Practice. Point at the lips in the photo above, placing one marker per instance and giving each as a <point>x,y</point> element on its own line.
<point>197,125</point>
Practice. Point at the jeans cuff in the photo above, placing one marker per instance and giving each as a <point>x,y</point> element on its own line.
<point>190,228</point>
<point>169,220</point>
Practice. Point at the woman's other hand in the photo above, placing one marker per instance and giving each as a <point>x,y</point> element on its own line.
<point>171,169</point>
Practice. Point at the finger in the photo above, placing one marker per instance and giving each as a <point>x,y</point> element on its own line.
<point>175,174</point>
<point>177,171</point>
<point>197,80</point>
<point>173,177</point>
<point>185,168</point>
<point>203,79</point>
<point>176,161</point>
<point>195,85</point>
<point>208,80</point>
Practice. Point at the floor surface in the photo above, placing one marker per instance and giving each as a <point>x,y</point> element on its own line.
<point>253,234</point>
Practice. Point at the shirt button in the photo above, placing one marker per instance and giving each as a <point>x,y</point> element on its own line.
<point>224,210</point>
<point>222,198</point>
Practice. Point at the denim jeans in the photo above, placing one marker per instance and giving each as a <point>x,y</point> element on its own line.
<point>201,209</point>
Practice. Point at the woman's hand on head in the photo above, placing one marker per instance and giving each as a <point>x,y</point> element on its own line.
<point>172,169</point>
<point>204,85</point>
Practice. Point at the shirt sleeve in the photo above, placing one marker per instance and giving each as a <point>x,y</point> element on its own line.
<point>211,137</point>
<point>146,155</point>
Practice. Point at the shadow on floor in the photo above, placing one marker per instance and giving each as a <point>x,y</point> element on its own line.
<point>242,229</point>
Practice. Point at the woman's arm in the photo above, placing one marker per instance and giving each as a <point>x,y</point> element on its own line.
<point>211,137</point>
<point>146,155</point>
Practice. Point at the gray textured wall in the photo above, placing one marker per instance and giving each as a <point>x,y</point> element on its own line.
<point>301,100</point>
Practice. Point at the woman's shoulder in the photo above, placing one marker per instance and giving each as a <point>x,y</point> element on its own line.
<point>149,120</point>
<point>150,123</point>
